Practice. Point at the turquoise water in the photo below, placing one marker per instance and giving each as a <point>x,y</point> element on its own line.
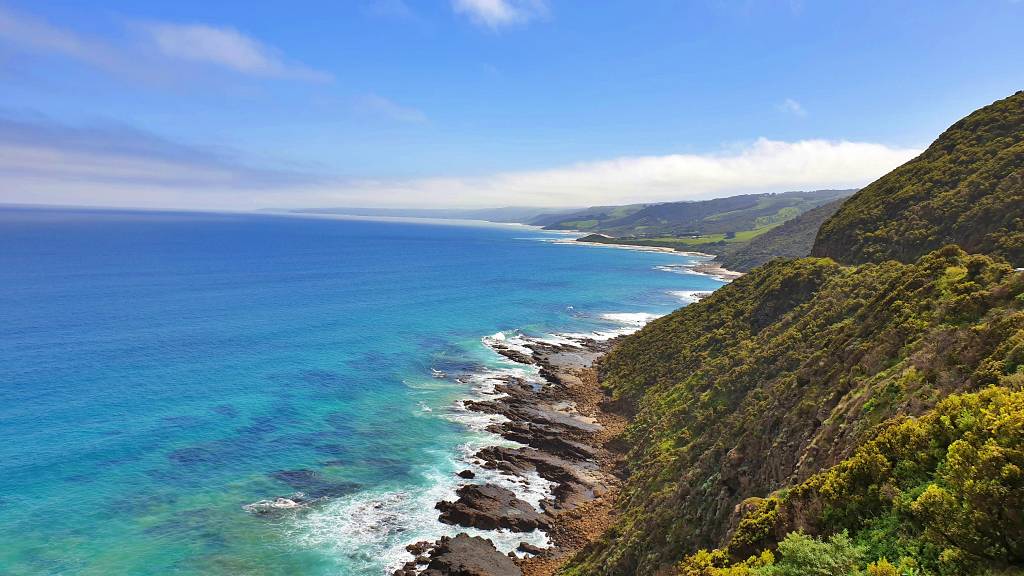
<point>161,370</point>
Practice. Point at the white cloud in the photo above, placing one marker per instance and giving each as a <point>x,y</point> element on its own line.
<point>764,166</point>
<point>793,107</point>
<point>497,13</point>
<point>190,43</point>
<point>380,106</point>
<point>225,47</point>
<point>52,164</point>
<point>44,162</point>
<point>38,35</point>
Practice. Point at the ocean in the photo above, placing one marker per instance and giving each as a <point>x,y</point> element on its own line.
<point>161,371</point>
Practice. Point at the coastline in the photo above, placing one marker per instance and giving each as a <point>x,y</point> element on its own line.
<point>556,426</point>
<point>708,267</point>
<point>562,429</point>
<point>534,473</point>
<point>717,271</point>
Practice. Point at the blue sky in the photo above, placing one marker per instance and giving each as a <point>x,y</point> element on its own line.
<point>481,102</point>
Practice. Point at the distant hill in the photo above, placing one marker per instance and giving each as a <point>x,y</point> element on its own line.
<point>508,214</point>
<point>967,188</point>
<point>744,231</point>
<point>793,239</point>
<point>586,219</point>
<point>726,216</point>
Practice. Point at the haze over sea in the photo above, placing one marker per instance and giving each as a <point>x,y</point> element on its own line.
<point>162,370</point>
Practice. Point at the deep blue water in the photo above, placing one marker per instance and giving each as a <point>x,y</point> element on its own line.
<point>161,370</point>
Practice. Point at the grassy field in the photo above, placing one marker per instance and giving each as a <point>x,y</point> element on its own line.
<point>684,243</point>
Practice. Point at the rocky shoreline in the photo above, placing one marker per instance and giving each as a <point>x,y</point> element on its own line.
<point>567,434</point>
<point>715,270</point>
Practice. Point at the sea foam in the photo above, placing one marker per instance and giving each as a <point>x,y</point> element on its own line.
<point>690,296</point>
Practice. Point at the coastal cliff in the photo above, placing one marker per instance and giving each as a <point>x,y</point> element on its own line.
<point>857,411</point>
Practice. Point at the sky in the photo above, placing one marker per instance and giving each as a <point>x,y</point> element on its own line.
<point>481,103</point>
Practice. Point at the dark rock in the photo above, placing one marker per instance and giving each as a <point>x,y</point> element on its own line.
<point>419,548</point>
<point>548,439</point>
<point>467,474</point>
<point>530,549</point>
<point>490,507</point>
<point>513,355</point>
<point>573,487</point>
<point>469,556</point>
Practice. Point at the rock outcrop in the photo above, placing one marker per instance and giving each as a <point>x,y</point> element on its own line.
<point>465,555</point>
<point>490,507</point>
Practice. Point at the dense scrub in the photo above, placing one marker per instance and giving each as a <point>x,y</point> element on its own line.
<point>815,417</point>
<point>939,494</point>
<point>785,373</point>
<point>967,188</point>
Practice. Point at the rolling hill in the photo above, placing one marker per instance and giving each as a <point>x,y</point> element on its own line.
<point>719,216</point>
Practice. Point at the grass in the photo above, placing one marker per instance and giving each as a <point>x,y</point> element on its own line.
<point>581,224</point>
<point>685,243</point>
<point>742,236</point>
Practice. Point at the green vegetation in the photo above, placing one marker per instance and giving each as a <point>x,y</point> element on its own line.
<point>719,216</point>
<point>727,227</point>
<point>784,372</point>
<point>819,418</point>
<point>582,224</point>
<point>943,493</point>
<point>792,239</point>
<point>683,243</point>
<point>967,188</point>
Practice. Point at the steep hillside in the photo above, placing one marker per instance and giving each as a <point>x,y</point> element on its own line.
<point>793,239</point>
<point>876,408</point>
<point>967,188</point>
<point>784,373</point>
<point>730,215</point>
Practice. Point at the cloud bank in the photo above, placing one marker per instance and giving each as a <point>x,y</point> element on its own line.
<point>46,163</point>
<point>763,166</point>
